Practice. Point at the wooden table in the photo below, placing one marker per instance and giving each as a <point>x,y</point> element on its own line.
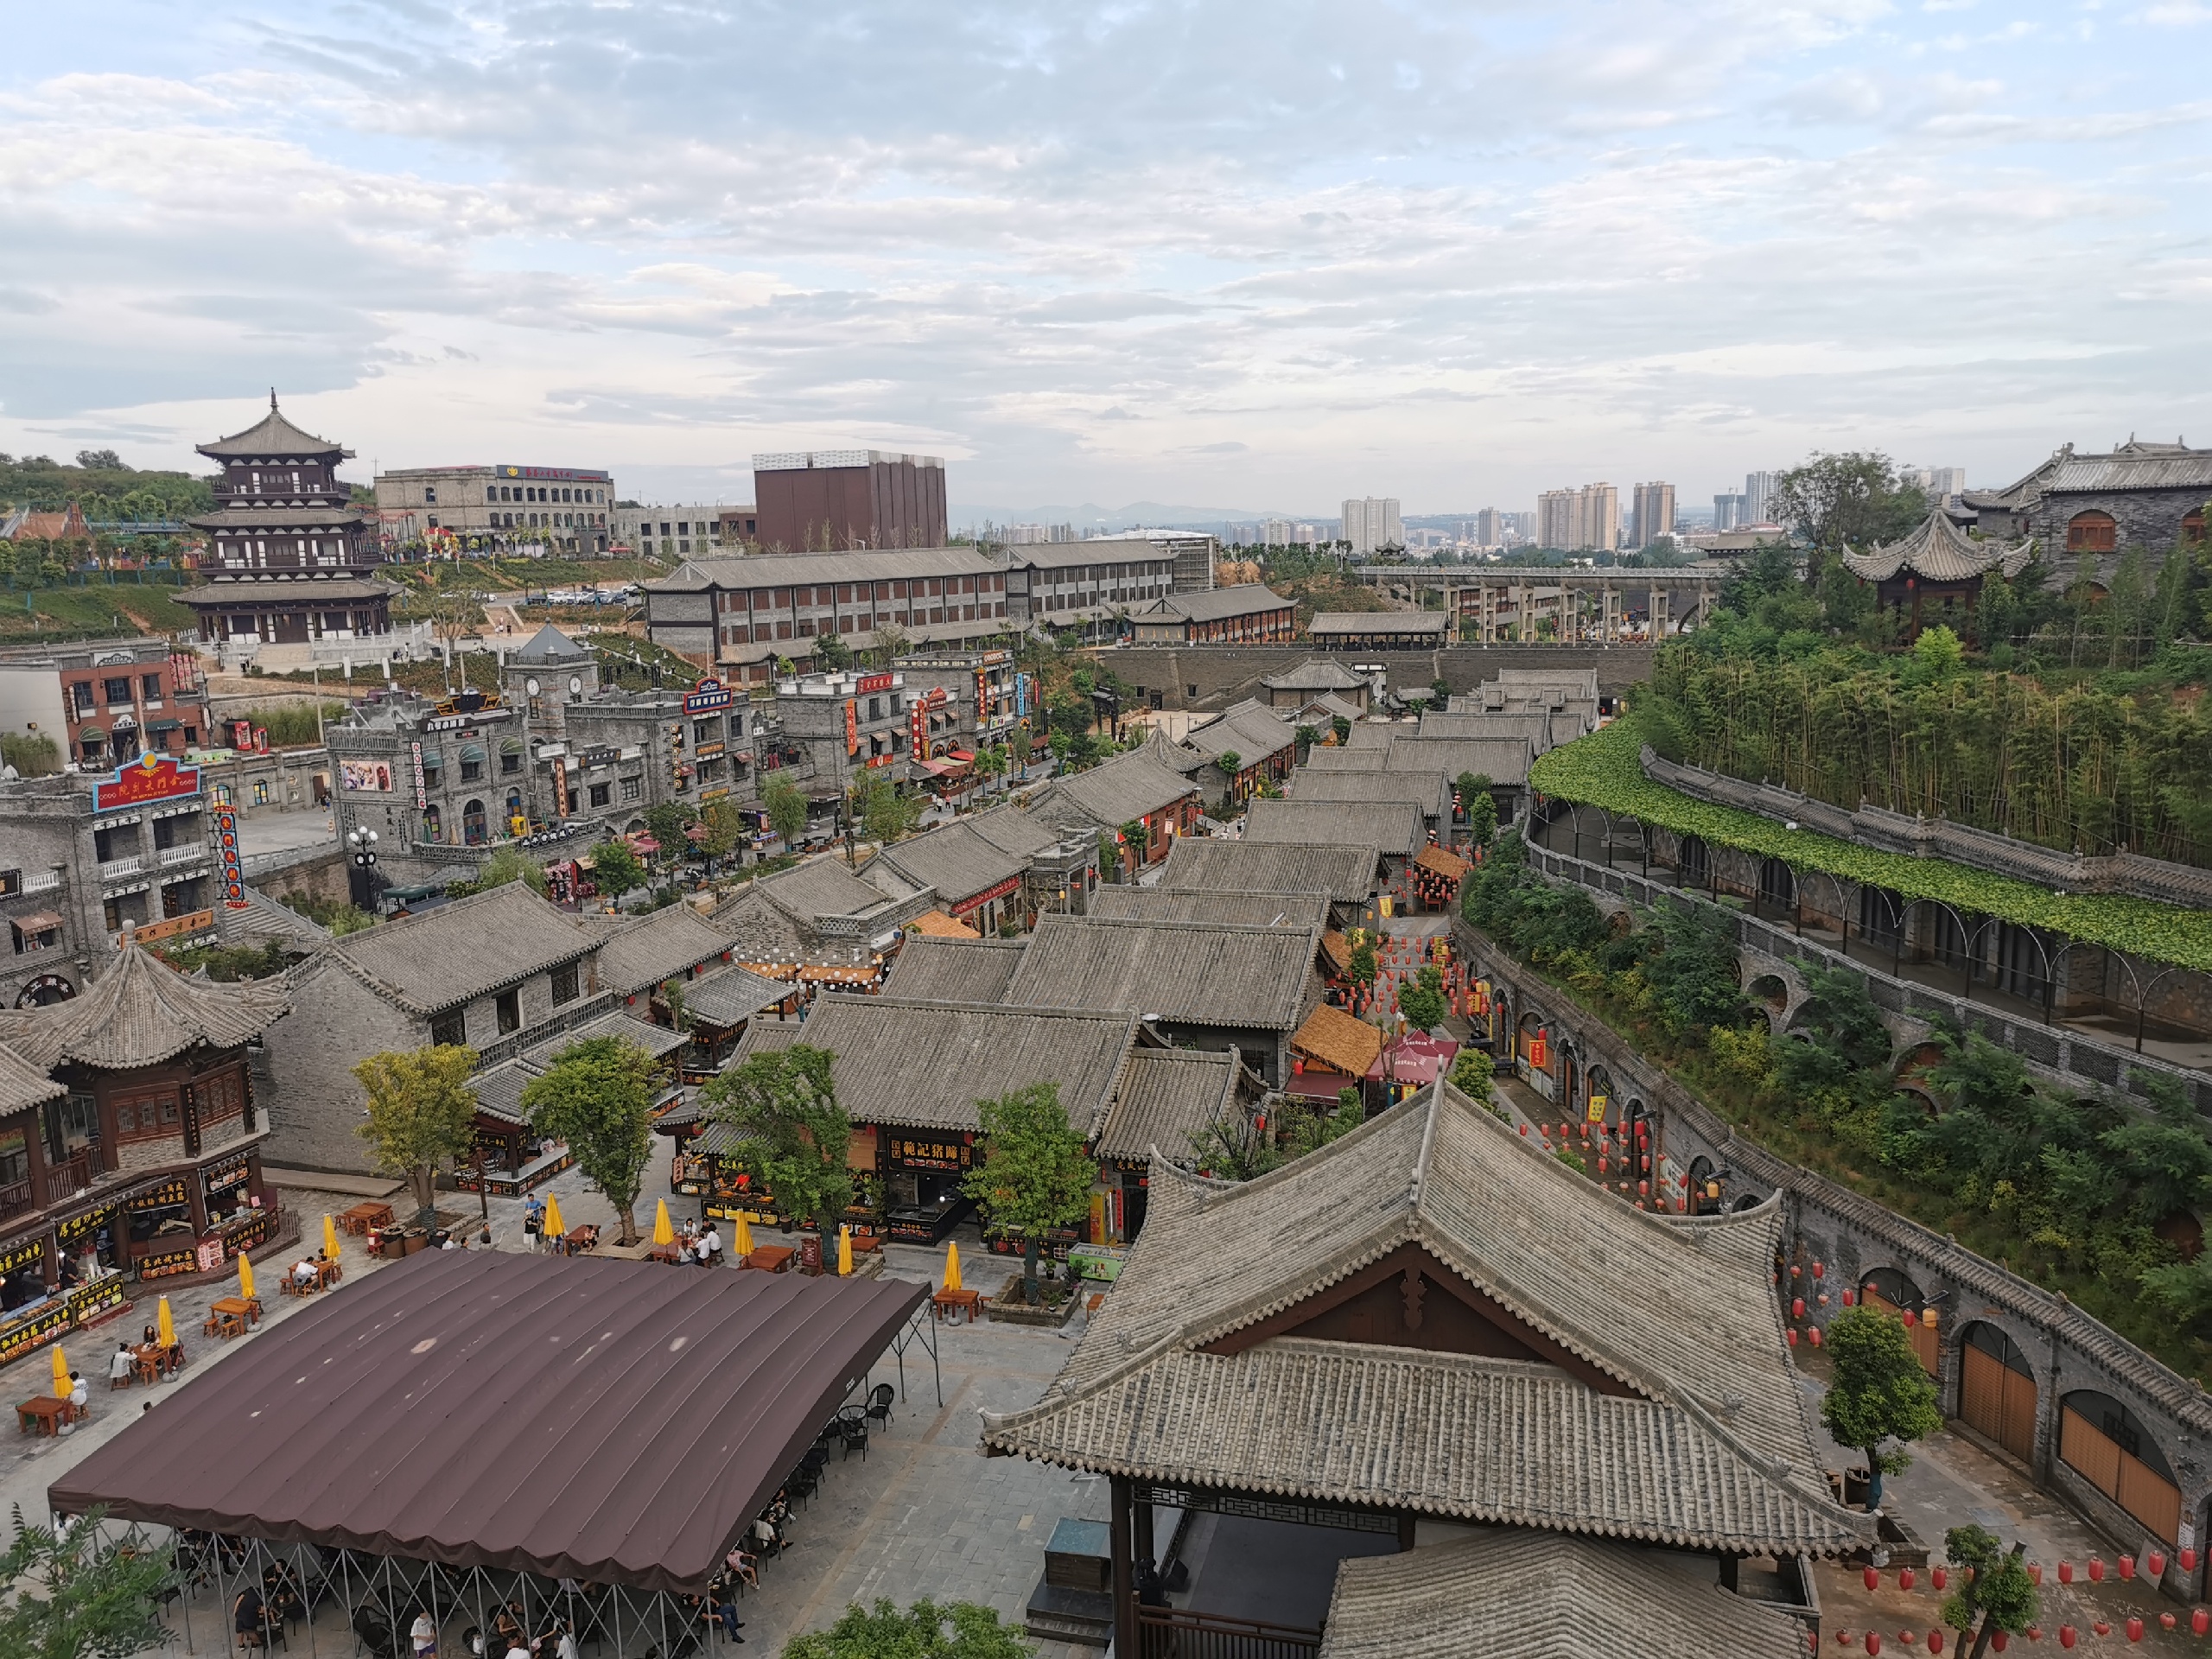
<point>327,1273</point>
<point>364,1217</point>
<point>665,1253</point>
<point>227,1318</point>
<point>948,1302</point>
<point>580,1239</point>
<point>771,1258</point>
<point>864,1243</point>
<point>43,1415</point>
<point>240,1307</point>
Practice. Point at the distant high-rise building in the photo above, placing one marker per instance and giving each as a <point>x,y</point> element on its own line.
<point>1523,526</point>
<point>1759,496</point>
<point>1490,527</point>
<point>1728,511</point>
<point>1653,513</point>
<point>1277,532</point>
<point>1371,523</point>
<point>1583,520</point>
<point>835,500</point>
<point>1938,484</point>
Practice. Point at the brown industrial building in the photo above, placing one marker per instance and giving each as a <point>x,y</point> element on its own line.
<point>835,500</point>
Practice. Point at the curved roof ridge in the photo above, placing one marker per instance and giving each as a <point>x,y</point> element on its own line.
<point>1938,550</point>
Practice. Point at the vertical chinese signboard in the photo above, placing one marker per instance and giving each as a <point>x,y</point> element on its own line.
<point>852,726</point>
<point>226,844</point>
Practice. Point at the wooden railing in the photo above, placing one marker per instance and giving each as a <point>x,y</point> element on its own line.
<point>1183,1633</point>
<point>15,1198</point>
<point>72,1174</point>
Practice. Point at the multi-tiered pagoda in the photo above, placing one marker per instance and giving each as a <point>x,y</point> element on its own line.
<point>292,558</point>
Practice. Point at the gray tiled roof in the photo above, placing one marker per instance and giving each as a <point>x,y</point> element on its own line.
<point>640,954</point>
<point>777,569</point>
<point>438,959</point>
<point>1710,1447</point>
<point>1318,674</point>
<point>1332,624</point>
<point>265,921</point>
<point>1006,828</point>
<point>23,1086</point>
<point>1129,903</point>
<point>1501,759</point>
<point>1391,827</point>
<point>1191,973</point>
<point>924,1066</point>
<point>1253,729</point>
<point>955,859</point>
<point>499,1090</point>
<point>1346,874</point>
<point>1517,1593</point>
<point>725,998</point>
<point>272,435</point>
<point>1376,733</point>
<point>1325,758</point>
<point>1114,792</point>
<point>655,1041</point>
<point>225,590</point>
<point>1424,788</point>
<point>550,646</point>
<point>954,970</point>
<point>1215,604</point>
<point>1544,728</point>
<point>1167,1095</point>
<point>1940,551</point>
<point>140,1012</point>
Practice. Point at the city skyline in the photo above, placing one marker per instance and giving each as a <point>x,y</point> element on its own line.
<point>1458,257</point>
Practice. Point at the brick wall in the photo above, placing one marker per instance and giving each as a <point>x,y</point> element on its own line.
<point>314,1104</point>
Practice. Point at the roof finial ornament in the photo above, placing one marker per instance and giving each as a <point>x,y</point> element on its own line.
<point>272,400</point>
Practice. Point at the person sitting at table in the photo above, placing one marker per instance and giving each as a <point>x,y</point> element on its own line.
<point>151,1337</point>
<point>303,1272</point>
<point>745,1567</point>
<point>563,1645</point>
<point>119,1366</point>
<point>721,1603</point>
<point>710,1246</point>
<point>508,1626</point>
<point>80,1396</point>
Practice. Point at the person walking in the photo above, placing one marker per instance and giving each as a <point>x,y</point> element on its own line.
<point>533,1223</point>
<point>424,1634</point>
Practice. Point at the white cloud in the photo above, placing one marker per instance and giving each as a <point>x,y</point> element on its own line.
<point>1454,253</point>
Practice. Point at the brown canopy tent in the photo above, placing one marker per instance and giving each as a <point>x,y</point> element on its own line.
<point>608,1421</point>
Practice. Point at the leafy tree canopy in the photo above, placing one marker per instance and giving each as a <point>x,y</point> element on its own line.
<point>598,1096</point>
<point>73,1593</point>
<point>783,1104</point>
<point>421,1112</point>
<point>959,1630</point>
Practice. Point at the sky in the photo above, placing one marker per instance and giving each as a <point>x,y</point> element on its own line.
<point>1256,256</point>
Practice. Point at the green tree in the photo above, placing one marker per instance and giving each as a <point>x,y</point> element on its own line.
<point>421,1113</point>
<point>666,824</point>
<point>32,754</point>
<point>1341,725</point>
<point>1365,967</point>
<point>507,864</point>
<point>73,1594</point>
<point>1422,1003</point>
<point>793,1136</point>
<point>920,1632</point>
<point>1230,763</point>
<point>615,868</point>
<point>1035,1173</point>
<point>598,1096</point>
<point>1480,806</point>
<point>786,810</point>
<point>1852,500</point>
<point>1938,651</point>
<point>1439,692</point>
<point>884,814</point>
<point>1878,1392</point>
<point>831,652</point>
<point>1473,1072</point>
<point>1306,738</point>
<point>725,827</point>
<point>1995,1588</point>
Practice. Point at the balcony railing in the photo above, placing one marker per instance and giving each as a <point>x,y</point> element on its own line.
<point>1182,1633</point>
<point>72,1174</point>
<point>115,869</point>
<point>191,853</point>
<point>15,1198</point>
<point>42,881</point>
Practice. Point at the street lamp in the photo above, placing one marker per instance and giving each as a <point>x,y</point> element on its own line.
<point>361,849</point>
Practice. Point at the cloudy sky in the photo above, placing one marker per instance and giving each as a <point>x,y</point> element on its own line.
<point>1258,256</point>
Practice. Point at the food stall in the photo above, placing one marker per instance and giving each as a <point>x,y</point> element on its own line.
<point>922,1171</point>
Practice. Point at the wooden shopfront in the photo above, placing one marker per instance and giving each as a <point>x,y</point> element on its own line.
<point>922,1170</point>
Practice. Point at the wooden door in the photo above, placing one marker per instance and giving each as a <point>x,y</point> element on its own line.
<point>1926,1343</point>
<point>1997,1402</point>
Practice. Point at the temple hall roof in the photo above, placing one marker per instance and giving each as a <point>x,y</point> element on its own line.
<point>1939,551</point>
<point>272,435</point>
<point>141,1012</point>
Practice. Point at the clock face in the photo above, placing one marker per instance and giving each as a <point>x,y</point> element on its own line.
<point>575,684</point>
<point>530,686</point>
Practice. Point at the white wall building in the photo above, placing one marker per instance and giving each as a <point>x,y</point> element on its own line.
<point>1371,523</point>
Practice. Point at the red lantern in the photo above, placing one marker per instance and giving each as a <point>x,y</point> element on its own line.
<point>2157,1563</point>
<point>1934,1641</point>
<point>1797,1307</point>
<point>2134,1628</point>
<point>1815,1334</point>
<point>2096,1569</point>
<point>1999,1640</point>
<point>1643,1187</point>
<point>1905,1578</point>
<point>1938,1577</point>
<point>2102,1627</point>
<point>2165,1621</point>
<point>1850,1298</point>
<point>1874,1579</point>
<point>2066,1572</point>
<point>2200,1621</point>
<point>1818,1271</point>
<point>1524,1131</point>
<point>1792,1335</point>
<point>2035,1632</point>
<point>2127,1566</point>
<point>2067,1636</point>
<point>2188,1560</point>
<point>1910,1320</point>
<point>1873,1641</point>
<point>2035,1573</point>
<point>1796,1272</point>
<point>1823,1298</point>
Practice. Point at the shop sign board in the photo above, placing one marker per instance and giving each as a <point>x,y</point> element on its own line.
<point>150,778</point>
<point>708,695</point>
<point>226,844</point>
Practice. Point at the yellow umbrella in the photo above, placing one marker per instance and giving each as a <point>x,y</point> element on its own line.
<point>663,1232</point>
<point>329,1240</point>
<point>845,1252</point>
<point>164,1325</point>
<point>60,1374</point>
<point>740,1240</point>
<point>555,1228</point>
<point>245,1276</point>
<point>952,1265</point>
